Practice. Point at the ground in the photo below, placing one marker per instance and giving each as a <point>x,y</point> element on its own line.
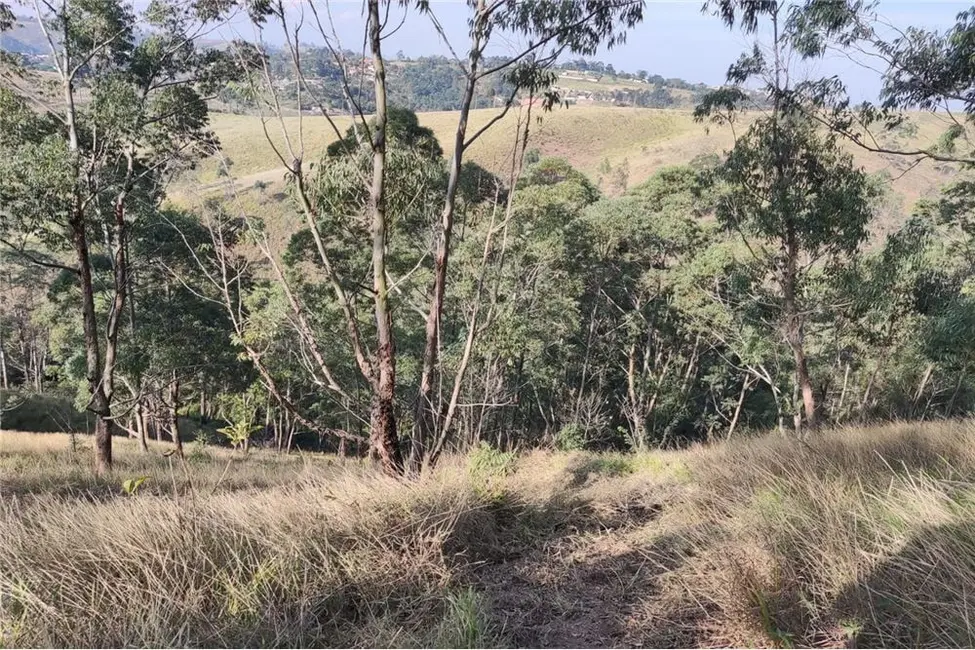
<point>860,537</point>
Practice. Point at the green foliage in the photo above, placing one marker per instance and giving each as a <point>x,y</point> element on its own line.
<point>486,462</point>
<point>240,411</point>
<point>402,129</point>
<point>130,486</point>
<point>571,437</point>
<point>466,622</point>
<point>786,179</point>
<point>41,412</point>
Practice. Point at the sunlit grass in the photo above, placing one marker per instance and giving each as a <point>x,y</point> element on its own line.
<point>862,536</point>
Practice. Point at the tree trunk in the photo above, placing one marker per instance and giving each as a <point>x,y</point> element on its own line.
<point>425,427</point>
<point>383,434</point>
<point>104,428</point>
<point>4,382</point>
<point>741,400</point>
<point>204,417</point>
<point>921,386</point>
<point>638,417</point>
<point>140,428</point>
<point>793,331</point>
<point>846,382</point>
<point>805,386</point>
<point>98,403</point>
<point>954,395</point>
<point>173,407</point>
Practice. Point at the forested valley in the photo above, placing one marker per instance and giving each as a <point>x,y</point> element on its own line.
<point>397,392</point>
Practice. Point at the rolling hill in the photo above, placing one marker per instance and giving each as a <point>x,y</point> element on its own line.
<point>595,139</point>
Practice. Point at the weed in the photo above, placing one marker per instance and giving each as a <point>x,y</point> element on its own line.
<point>131,485</point>
<point>466,621</point>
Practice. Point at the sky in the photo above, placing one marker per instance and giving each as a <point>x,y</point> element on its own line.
<point>675,39</point>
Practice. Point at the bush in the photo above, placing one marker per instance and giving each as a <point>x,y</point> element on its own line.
<point>40,412</point>
<point>487,467</point>
<point>571,437</point>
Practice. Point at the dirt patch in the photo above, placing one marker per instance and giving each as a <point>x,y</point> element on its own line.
<point>590,588</point>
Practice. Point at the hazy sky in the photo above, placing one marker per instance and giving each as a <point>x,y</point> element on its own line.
<point>675,39</point>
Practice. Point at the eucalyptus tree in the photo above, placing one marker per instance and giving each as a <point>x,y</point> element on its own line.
<point>790,192</point>
<point>530,284</point>
<point>85,156</point>
<point>180,343</point>
<point>637,343</point>
<point>922,69</point>
<point>547,28</point>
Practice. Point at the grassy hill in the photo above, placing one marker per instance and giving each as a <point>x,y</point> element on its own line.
<point>592,138</point>
<point>585,135</point>
<point>861,538</point>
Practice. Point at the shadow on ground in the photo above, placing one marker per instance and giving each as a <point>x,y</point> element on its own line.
<point>578,582</point>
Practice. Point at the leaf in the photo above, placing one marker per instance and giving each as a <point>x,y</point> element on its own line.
<point>132,485</point>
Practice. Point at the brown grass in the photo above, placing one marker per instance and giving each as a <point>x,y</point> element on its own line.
<point>588,136</point>
<point>863,537</point>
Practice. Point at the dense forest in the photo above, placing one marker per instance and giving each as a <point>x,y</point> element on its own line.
<point>427,304</point>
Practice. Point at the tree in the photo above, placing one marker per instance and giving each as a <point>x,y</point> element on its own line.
<point>550,26</point>
<point>78,171</point>
<point>558,25</point>
<point>638,348</point>
<point>789,186</point>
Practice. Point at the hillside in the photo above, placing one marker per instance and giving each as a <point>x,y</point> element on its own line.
<point>861,538</point>
<point>24,38</point>
<point>595,139</point>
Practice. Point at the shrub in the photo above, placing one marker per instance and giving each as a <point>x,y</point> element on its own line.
<point>487,468</point>
<point>571,437</point>
<point>39,412</point>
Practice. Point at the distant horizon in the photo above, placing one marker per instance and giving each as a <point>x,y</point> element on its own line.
<point>676,39</point>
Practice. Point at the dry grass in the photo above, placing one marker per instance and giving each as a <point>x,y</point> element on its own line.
<point>863,537</point>
<point>588,136</point>
<point>585,135</point>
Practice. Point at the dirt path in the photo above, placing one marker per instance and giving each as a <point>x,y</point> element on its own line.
<point>595,587</point>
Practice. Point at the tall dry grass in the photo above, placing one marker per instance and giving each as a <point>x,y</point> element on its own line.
<point>862,537</point>
<point>326,554</point>
<point>865,537</point>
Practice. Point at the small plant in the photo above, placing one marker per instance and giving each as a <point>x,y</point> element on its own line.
<point>613,465</point>
<point>485,460</point>
<point>487,467</point>
<point>780,638</point>
<point>198,453</point>
<point>205,436</point>
<point>465,623</point>
<point>571,437</point>
<point>239,433</point>
<point>621,176</point>
<point>131,485</point>
<point>245,594</point>
<point>852,628</point>
<point>240,411</point>
<point>223,171</point>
